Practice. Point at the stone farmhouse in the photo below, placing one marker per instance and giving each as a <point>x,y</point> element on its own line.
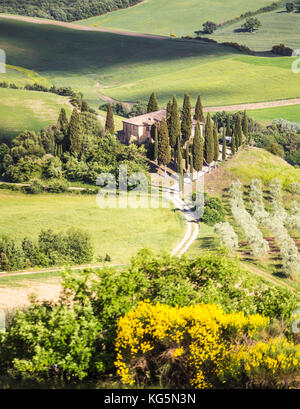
<point>138,129</point>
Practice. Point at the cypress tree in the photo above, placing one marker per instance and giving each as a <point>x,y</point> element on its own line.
<point>216,142</point>
<point>75,133</point>
<point>191,165</point>
<point>164,154</point>
<point>179,164</point>
<point>209,141</point>
<point>245,126</point>
<point>199,115</point>
<point>228,127</point>
<point>186,120</point>
<point>152,104</point>
<point>236,138</point>
<point>63,125</point>
<point>197,149</point>
<point>175,131</point>
<point>109,123</point>
<point>224,145</point>
<point>156,145</point>
<point>168,115</point>
<point>233,148</point>
<point>238,127</point>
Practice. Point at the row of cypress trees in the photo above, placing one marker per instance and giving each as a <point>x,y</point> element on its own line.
<point>172,140</point>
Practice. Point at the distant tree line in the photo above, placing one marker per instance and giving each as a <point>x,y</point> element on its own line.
<point>74,247</point>
<point>63,10</point>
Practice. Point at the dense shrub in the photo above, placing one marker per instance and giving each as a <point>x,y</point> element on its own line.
<point>214,211</point>
<point>281,49</point>
<point>201,347</point>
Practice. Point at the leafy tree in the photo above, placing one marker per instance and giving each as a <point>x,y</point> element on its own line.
<point>164,153</point>
<point>168,115</point>
<point>152,104</point>
<point>290,7</point>
<point>175,130</point>
<point>109,123</point>
<point>209,141</point>
<point>199,115</point>
<point>209,27</point>
<point>84,106</point>
<point>197,149</point>
<point>251,24</point>
<point>75,133</point>
<point>186,119</point>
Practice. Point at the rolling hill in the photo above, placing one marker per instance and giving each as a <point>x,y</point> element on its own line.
<point>173,16</point>
<point>129,68</point>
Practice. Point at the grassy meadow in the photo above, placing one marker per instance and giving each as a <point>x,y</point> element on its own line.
<point>118,232</point>
<point>290,113</point>
<point>130,68</point>
<point>176,16</point>
<point>277,27</point>
<point>30,110</point>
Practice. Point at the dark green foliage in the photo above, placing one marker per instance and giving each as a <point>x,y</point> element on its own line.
<point>233,144</point>
<point>216,142</point>
<point>197,150</point>
<point>179,165</point>
<point>281,49</point>
<point>84,106</point>
<point>164,153</point>
<point>63,10</point>
<point>152,104</point>
<point>175,129</point>
<point>75,133</point>
<point>214,211</point>
<point>209,141</point>
<point>199,115</point>
<point>186,119</point>
<point>109,123</point>
<point>168,115</point>
<point>228,126</point>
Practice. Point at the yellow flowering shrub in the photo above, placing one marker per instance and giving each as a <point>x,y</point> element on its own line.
<point>182,346</point>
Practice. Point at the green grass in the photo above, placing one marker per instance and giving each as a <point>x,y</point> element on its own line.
<point>32,110</point>
<point>175,16</point>
<point>290,113</point>
<point>278,27</point>
<point>130,68</point>
<point>118,232</point>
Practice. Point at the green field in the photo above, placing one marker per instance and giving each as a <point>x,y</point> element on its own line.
<point>290,113</point>
<point>278,27</point>
<point>173,16</point>
<point>118,232</point>
<point>130,68</point>
<point>32,110</point>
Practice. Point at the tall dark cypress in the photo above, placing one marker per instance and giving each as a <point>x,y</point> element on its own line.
<point>228,127</point>
<point>186,119</point>
<point>156,144</point>
<point>239,132</point>
<point>197,149</point>
<point>75,133</point>
<point>209,141</point>
<point>224,146</point>
<point>216,142</point>
<point>179,165</point>
<point>164,153</point>
<point>168,115</point>
<point>233,144</point>
<point>245,126</point>
<point>152,104</point>
<point>63,125</point>
<point>199,115</point>
<point>109,123</point>
<point>175,131</point>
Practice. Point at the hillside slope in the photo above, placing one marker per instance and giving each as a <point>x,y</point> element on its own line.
<point>181,17</point>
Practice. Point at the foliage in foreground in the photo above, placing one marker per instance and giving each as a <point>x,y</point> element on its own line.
<point>203,347</point>
<point>81,328</point>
